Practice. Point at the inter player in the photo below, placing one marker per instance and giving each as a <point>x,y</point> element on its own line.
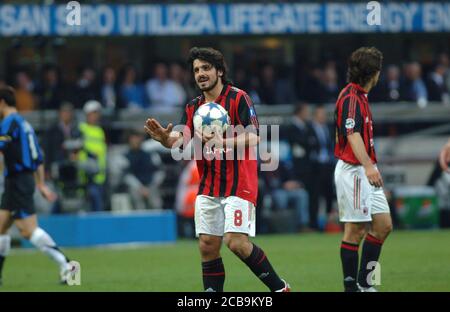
<point>23,171</point>
<point>359,186</point>
<point>225,204</point>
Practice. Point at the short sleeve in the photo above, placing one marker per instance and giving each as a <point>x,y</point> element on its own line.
<point>247,112</point>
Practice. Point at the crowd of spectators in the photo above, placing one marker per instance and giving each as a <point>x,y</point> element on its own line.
<point>169,84</point>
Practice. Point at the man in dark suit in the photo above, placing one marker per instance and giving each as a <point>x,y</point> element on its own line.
<point>62,132</point>
<point>298,134</point>
<point>322,164</point>
<point>62,140</point>
<point>437,89</point>
<point>300,137</point>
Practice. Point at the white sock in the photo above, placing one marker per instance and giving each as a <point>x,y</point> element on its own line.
<point>41,240</point>
<point>5,245</point>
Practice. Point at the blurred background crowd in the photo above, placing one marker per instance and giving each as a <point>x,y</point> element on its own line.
<point>166,83</point>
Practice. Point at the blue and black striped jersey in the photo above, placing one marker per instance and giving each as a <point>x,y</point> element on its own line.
<point>19,145</point>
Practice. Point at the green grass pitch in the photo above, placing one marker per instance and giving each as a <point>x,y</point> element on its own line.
<point>410,261</point>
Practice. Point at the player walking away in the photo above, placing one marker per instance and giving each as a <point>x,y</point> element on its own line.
<point>359,185</point>
<point>225,204</point>
<point>444,157</point>
<point>23,171</point>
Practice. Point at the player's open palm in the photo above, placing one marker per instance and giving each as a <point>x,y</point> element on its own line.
<point>156,131</point>
<point>374,176</point>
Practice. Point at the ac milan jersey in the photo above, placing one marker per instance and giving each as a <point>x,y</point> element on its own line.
<point>222,177</point>
<point>352,114</point>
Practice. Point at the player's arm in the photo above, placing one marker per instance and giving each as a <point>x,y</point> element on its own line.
<point>351,126</point>
<point>165,136</point>
<point>444,157</point>
<point>246,139</point>
<point>359,149</point>
<point>39,177</point>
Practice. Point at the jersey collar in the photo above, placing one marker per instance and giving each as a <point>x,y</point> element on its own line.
<point>358,87</point>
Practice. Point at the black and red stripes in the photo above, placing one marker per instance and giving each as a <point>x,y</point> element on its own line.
<point>349,259</point>
<point>228,175</point>
<point>349,246</point>
<point>352,114</point>
<point>213,275</point>
<point>373,240</point>
<point>261,267</point>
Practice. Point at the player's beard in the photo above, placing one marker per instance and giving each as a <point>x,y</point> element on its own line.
<point>210,87</point>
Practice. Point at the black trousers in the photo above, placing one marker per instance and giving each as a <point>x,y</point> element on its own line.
<point>321,185</point>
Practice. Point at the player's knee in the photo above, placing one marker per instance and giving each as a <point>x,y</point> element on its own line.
<point>3,229</point>
<point>207,247</point>
<point>237,246</point>
<point>389,228</point>
<point>384,230</point>
<point>356,235</point>
<point>26,233</point>
<point>4,225</point>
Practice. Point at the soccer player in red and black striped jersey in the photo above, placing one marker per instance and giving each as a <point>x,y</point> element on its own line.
<point>359,185</point>
<point>225,204</point>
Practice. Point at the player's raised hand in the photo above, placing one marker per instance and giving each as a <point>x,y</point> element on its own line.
<point>444,157</point>
<point>374,176</point>
<point>156,131</point>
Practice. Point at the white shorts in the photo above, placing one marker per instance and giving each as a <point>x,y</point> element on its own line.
<point>219,215</point>
<point>357,199</point>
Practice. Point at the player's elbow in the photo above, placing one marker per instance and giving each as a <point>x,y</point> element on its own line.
<point>26,233</point>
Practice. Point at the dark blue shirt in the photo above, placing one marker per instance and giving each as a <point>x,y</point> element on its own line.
<point>19,145</point>
<point>141,165</point>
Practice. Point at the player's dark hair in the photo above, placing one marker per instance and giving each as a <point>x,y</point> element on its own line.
<point>8,95</point>
<point>212,56</point>
<point>363,64</point>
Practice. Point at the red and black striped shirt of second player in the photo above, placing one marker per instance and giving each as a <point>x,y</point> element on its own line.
<point>352,114</point>
<point>221,177</point>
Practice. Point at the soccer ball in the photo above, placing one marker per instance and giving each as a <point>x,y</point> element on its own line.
<point>211,117</point>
